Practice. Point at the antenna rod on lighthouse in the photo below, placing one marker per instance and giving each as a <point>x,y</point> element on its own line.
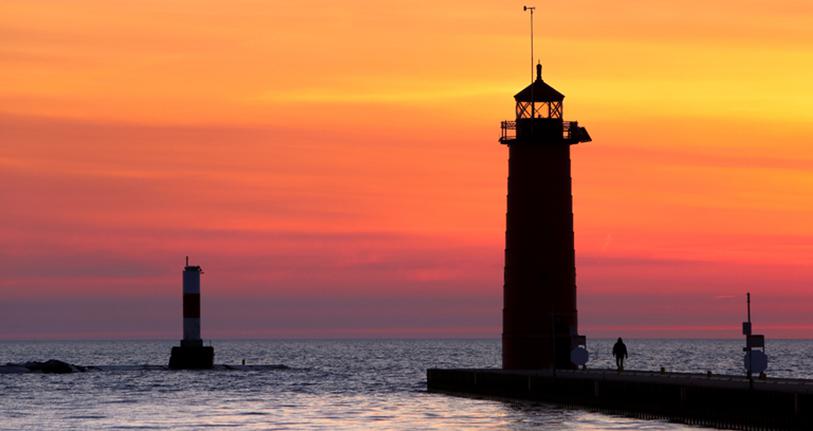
<point>532,9</point>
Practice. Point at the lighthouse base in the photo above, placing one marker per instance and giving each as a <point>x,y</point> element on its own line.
<point>192,358</point>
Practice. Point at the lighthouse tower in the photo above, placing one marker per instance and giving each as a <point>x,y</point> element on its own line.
<point>191,354</point>
<point>540,325</point>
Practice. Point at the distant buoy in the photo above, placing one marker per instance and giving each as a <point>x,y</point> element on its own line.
<point>756,361</point>
<point>579,356</point>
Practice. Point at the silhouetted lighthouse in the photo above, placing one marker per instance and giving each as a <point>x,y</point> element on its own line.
<point>539,316</point>
<point>191,354</point>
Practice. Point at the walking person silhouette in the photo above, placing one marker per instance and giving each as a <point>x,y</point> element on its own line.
<point>620,353</point>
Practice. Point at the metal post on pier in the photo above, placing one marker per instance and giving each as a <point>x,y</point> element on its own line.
<point>749,350</point>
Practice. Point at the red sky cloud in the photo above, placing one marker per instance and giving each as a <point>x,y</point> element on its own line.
<point>336,171</point>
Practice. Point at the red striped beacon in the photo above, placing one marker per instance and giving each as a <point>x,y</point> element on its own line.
<point>191,354</point>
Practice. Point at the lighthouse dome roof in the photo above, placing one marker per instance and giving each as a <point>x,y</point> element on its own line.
<point>539,91</point>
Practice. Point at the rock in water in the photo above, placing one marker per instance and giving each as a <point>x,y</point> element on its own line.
<point>52,366</point>
<point>13,369</point>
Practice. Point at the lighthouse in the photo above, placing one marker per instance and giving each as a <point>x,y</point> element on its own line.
<point>540,323</point>
<point>191,354</point>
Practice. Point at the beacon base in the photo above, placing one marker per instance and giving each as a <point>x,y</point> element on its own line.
<point>192,358</point>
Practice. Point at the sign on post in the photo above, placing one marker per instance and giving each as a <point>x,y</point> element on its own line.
<point>756,341</point>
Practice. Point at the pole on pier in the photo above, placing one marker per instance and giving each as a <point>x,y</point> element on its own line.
<point>755,361</point>
<point>748,343</point>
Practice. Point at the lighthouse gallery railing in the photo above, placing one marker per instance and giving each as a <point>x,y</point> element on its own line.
<point>508,130</point>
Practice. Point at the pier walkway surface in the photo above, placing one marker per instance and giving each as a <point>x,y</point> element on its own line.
<point>703,399</point>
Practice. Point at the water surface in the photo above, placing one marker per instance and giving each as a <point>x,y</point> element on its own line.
<point>325,384</point>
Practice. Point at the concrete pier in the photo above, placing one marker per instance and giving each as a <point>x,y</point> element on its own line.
<point>701,399</point>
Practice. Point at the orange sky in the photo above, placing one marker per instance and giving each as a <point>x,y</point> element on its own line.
<point>334,166</point>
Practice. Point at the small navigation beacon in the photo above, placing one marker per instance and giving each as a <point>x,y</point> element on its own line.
<point>191,354</point>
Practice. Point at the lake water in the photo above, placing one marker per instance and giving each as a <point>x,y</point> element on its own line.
<point>325,384</point>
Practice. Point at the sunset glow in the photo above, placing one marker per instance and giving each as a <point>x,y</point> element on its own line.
<point>335,170</point>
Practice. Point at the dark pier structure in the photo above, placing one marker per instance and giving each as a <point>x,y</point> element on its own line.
<point>191,354</point>
<point>541,346</point>
<point>700,399</point>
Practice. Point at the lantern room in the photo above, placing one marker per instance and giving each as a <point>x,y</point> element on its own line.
<point>539,113</point>
<point>539,100</point>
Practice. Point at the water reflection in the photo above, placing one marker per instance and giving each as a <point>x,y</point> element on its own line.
<point>330,384</point>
